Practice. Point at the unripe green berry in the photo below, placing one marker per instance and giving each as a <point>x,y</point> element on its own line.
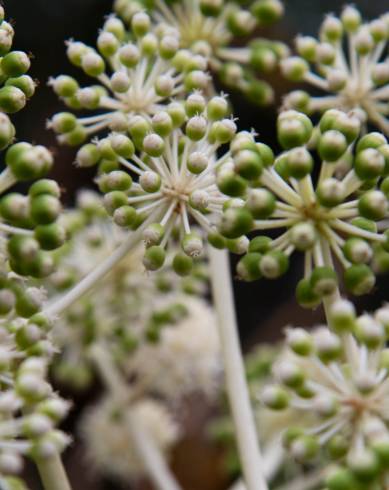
<point>154,258</point>
<point>359,279</point>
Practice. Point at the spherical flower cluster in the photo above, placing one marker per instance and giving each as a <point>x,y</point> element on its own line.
<point>29,410</point>
<point>108,439</point>
<point>337,379</point>
<point>324,215</point>
<point>351,65</point>
<point>188,352</point>
<point>173,159</point>
<point>137,72</point>
<point>209,28</point>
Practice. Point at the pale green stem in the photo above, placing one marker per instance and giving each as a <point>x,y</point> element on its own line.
<point>153,461</point>
<point>52,473</point>
<point>237,390</point>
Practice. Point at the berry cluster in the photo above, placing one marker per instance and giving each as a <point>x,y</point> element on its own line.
<point>356,75</point>
<point>335,380</point>
<point>209,27</point>
<point>137,73</point>
<point>326,216</point>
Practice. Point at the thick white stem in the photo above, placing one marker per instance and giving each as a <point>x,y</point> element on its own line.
<point>238,394</point>
<point>52,473</point>
<point>151,457</point>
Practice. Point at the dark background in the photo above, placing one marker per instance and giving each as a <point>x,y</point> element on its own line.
<point>264,308</point>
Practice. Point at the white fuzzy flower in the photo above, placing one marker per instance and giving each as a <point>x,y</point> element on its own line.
<point>108,440</point>
<point>187,357</point>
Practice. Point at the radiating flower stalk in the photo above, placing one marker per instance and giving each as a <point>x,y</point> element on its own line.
<point>336,379</point>
<point>176,179</point>
<point>136,74</point>
<point>351,65</point>
<point>331,220</point>
<point>209,28</point>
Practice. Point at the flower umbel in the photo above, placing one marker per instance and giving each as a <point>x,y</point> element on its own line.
<point>137,73</point>
<point>209,28</point>
<point>356,79</point>
<point>176,168</point>
<point>337,378</point>
<point>326,217</point>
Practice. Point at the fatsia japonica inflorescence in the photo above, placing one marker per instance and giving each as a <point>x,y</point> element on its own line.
<point>350,64</point>
<point>334,379</point>
<point>29,407</point>
<point>210,28</point>
<point>329,217</point>
<point>163,178</point>
<point>136,72</point>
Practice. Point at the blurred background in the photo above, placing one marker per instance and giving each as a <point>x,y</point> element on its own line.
<point>264,308</point>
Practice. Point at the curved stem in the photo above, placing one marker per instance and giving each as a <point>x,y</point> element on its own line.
<point>238,394</point>
<point>52,473</point>
<point>153,461</point>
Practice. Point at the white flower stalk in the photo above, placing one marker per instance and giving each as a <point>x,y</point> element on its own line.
<point>189,352</point>
<point>176,172</point>
<point>350,65</point>
<point>148,442</point>
<point>109,443</point>
<point>137,74</point>
<point>337,378</point>
<point>209,28</point>
<point>330,219</point>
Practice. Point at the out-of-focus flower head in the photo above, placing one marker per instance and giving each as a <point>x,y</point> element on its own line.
<point>187,352</point>
<point>29,409</point>
<point>209,28</point>
<point>329,217</point>
<point>136,73</point>
<point>108,440</point>
<point>350,64</point>
<point>130,311</point>
<point>336,378</point>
